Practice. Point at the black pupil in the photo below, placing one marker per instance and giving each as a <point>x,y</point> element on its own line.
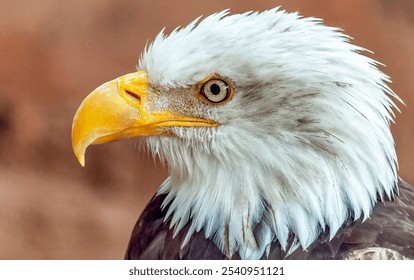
<point>215,89</point>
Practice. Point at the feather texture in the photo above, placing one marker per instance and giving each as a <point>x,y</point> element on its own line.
<point>303,147</point>
<point>388,234</point>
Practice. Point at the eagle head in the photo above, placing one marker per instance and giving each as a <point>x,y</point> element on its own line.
<point>273,126</point>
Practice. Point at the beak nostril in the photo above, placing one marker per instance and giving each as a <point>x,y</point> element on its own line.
<point>132,95</point>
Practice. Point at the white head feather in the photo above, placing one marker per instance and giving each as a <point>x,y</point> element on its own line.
<point>302,147</point>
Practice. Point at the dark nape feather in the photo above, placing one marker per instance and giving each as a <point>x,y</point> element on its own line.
<point>391,226</point>
<point>149,232</point>
<point>152,239</point>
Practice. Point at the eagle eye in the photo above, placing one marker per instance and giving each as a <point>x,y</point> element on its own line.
<point>216,90</point>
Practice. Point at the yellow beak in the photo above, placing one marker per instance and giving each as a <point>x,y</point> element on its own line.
<point>117,110</point>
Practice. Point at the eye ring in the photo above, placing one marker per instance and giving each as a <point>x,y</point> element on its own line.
<point>216,90</point>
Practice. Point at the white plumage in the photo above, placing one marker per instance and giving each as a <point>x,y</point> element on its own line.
<point>303,146</point>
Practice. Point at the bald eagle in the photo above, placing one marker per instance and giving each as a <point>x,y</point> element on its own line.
<point>276,131</point>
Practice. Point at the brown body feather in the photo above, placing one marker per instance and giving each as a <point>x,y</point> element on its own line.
<point>389,233</point>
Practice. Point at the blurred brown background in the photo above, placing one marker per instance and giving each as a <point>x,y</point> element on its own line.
<point>53,53</point>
